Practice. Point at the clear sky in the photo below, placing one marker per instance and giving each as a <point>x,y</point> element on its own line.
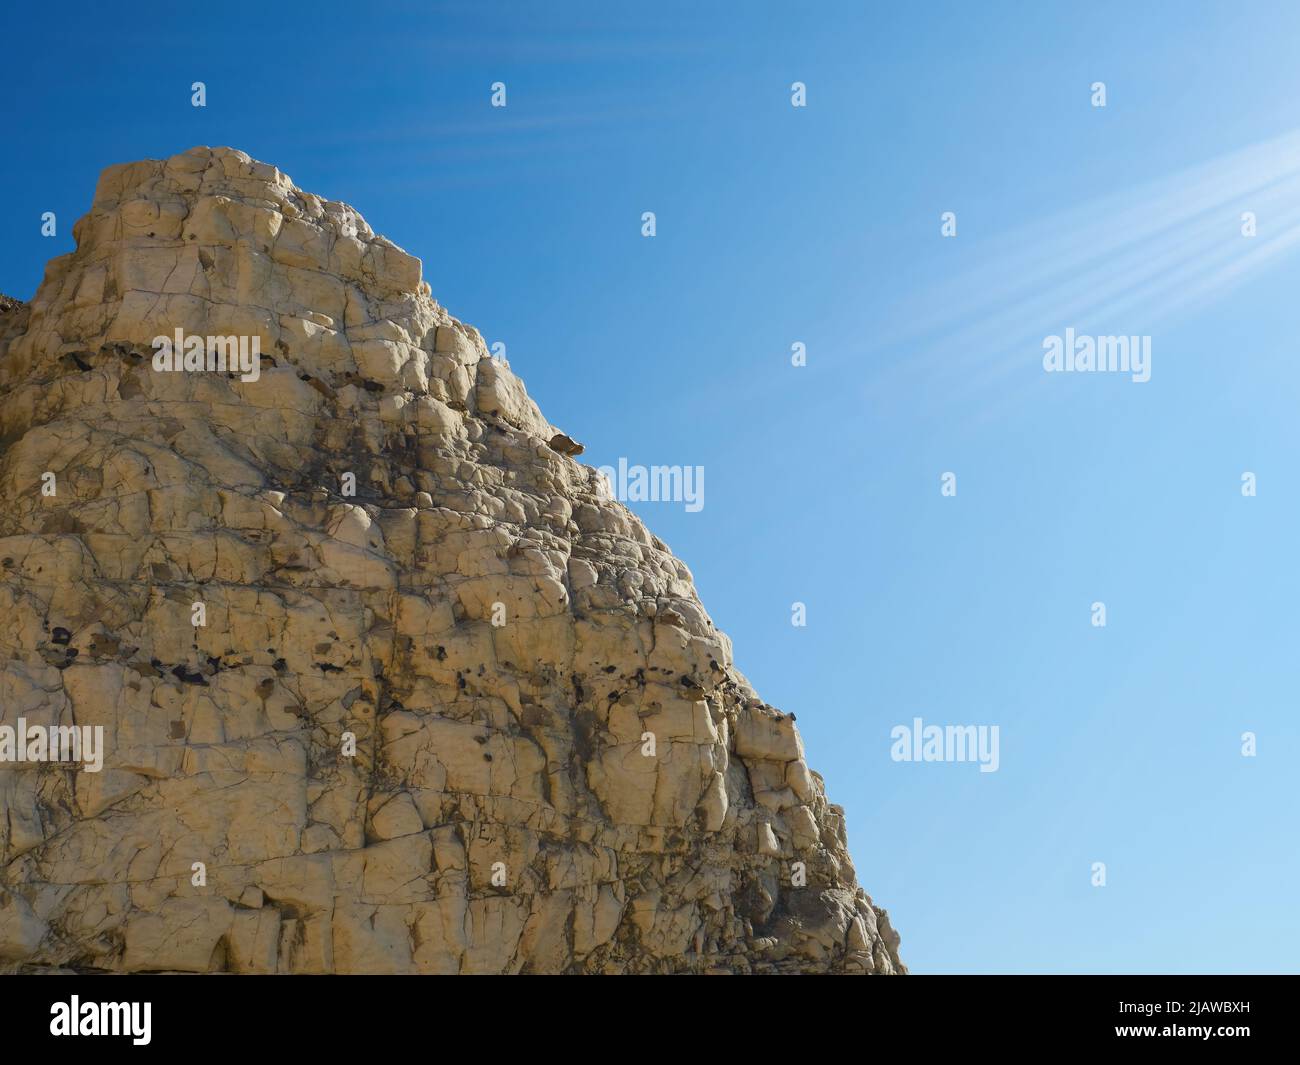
<point>821,225</point>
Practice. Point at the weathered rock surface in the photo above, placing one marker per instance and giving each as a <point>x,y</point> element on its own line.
<point>557,767</point>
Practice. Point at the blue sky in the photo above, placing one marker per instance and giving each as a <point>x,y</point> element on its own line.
<point>822,225</point>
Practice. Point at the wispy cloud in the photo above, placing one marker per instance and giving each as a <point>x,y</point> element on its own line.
<point>1124,264</point>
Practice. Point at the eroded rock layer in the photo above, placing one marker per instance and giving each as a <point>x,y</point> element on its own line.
<point>468,716</point>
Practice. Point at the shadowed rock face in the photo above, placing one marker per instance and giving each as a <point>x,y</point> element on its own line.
<point>470,717</point>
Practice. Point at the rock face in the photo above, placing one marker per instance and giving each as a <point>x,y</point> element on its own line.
<point>387,681</point>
